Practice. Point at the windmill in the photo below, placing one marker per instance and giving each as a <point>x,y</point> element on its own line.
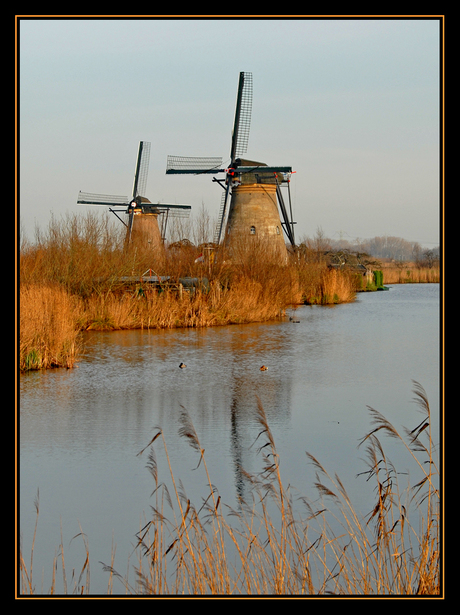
<point>142,227</point>
<point>253,189</point>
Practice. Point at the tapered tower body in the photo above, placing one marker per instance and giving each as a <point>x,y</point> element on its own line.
<point>143,232</point>
<point>254,223</point>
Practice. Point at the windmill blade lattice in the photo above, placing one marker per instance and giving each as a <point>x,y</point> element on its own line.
<point>142,170</point>
<point>89,198</point>
<point>193,165</point>
<point>243,112</point>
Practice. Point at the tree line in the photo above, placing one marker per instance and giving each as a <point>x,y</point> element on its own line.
<point>388,247</point>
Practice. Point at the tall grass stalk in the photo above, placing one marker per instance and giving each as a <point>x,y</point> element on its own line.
<point>28,587</point>
<point>268,546</point>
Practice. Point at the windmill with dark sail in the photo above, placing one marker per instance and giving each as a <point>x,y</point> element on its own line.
<point>252,204</point>
<point>145,222</point>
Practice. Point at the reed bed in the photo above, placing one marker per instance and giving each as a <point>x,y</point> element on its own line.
<point>410,274</point>
<point>266,547</point>
<point>48,325</point>
<point>69,280</point>
<point>70,276</point>
<point>51,316</point>
<point>246,301</point>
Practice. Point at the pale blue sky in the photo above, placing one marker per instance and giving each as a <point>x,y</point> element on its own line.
<point>353,105</point>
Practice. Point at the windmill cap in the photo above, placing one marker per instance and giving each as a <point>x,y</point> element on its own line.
<point>242,162</point>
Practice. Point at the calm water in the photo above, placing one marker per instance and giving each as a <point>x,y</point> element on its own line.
<point>81,429</point>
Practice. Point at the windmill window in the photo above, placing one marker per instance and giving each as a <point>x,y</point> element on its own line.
<point>253,230</point>
<point>277,230</point>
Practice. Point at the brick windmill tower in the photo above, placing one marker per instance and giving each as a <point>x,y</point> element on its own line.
<point>145,222</point>
<point>253,213</point>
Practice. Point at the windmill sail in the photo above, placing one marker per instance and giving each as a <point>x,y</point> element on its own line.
<point>142,170</point>
<point>240,139</point>
<point>193,165</point>
<point>242,123</point>
<point>288,224</point>
<point>220,220</point>
<point>239,171</point>
<point>88,198</point>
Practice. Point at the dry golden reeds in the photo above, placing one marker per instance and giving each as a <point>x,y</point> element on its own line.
<point>264,547</point>
<point>85,258</point>
<point>28,587</point>
<point>394,550</point>
<point>70,281</point>
<point>410,274</point>
<point>49,335</point>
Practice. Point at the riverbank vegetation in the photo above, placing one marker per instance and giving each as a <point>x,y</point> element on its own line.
<point>279,542</point>
<point>49,335</point>
<point>409,273</point>
<point>70,282</point>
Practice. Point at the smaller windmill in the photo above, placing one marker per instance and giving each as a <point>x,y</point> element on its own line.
<point>142,226</point>
<point>253,189</point>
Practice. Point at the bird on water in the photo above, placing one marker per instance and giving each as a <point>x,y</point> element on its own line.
<point>263,368</point>
<point>182,365</point>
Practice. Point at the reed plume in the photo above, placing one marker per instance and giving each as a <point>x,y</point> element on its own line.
<point>267,547</point>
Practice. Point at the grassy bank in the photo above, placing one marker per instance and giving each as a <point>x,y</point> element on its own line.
<point>69,283</point>
<point>279,542</point>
